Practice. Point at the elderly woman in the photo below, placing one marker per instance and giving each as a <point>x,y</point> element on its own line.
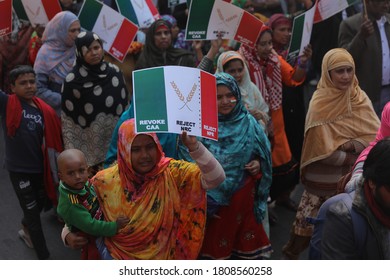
<point>56,57</point>
<point>340,123</point>
<point>234,229</point>
<point>94,96</point>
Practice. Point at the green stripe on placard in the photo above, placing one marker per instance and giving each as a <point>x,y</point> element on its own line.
<point>126,9</point>
<point>350,2</point>
<point>19,9</point>
<point>89,14</point>
<point>149,95</point>
<point>200,15</point>
<point>296,39</point>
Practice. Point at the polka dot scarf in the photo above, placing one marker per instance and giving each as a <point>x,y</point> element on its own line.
<point>93,99</point>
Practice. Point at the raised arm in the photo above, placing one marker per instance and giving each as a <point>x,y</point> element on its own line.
<point>212,172</point>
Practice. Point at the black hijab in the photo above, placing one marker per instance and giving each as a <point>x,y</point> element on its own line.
<point>152,56</point>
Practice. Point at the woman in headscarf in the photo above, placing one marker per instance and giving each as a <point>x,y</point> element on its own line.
<point>340,123</point>
<point>237,207</point>
<point>165,199</point>
<point>94,96</point>
<point>56,57</point>
<point>383,132</point>
<point>270,72</point>
<point>293,105</point>
<point>233,63</point>
<point>159,50</point>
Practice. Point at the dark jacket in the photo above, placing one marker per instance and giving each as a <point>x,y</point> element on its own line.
<point>367,53</point>
<point>338,236</point>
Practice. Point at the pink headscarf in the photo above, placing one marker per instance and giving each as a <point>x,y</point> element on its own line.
<point>383,132</point>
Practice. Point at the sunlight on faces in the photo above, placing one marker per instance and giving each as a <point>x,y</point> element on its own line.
<point>94,54</point>
<point>25,86</point>
<point>235,68</point>
<point>73,169</point>
<point>143,154</point>
<point>264,45</point>
<point>342,77</point>
<point>225,99</point>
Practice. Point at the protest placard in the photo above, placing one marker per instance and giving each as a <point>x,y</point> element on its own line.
<point>175,99</point>
<point>141,12</point>
<point>327,8</point>
<point>301,33</point>
<point>207,18</point>
<point>38,12</point>
<point>5,17</point>
<point>116,31</point>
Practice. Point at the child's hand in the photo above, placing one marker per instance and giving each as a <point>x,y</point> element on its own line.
<point>121,222</point>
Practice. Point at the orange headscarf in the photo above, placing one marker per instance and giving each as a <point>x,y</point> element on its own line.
<point>166,206</point>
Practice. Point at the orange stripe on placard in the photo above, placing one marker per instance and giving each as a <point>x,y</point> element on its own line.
<point>51,8</point>
<point>153,9</point>
<point>249,29</point>
<point>123,39</point>
<point>209,118</point>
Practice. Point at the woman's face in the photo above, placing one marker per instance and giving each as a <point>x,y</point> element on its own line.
<point>162,39</point>
<point>282,34</point>
<point>342,77</point>
<point>143,154</point>
<point>264,45</point>
<point>235,68</point>
<point>94,54</point>
<point>74,30</point>
<point>175,31</point>
<point>225,99</point>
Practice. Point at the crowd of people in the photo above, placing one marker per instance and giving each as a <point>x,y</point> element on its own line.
<point>71,143</point>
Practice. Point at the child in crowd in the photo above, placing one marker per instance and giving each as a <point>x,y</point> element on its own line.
<point>78,204</point>
<point>32,133</point>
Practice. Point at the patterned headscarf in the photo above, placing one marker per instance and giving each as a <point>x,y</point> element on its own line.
<point>240,139</point>
<point>266,74</point>
<point>166,206</point>
<point>169,19</point>
<point>274,21</point>
<point>57,54</point>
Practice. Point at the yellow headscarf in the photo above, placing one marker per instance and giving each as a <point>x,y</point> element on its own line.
<point>336,116</point>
